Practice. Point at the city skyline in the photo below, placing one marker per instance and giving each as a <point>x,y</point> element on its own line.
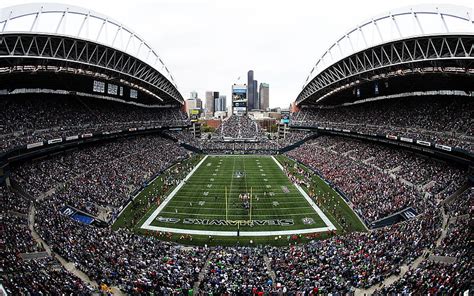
<point>257,96</point>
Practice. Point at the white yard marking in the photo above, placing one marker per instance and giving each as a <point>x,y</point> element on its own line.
<point>310,201</point>
<point>147,224</point>
<point>234,233</point>
<point>278,163</point>
<point>173,193</point>
<point>316,208</point>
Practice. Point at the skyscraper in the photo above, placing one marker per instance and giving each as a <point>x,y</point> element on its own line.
<point>256,101</point>
<point>264,96</point>
<point>220,103</point>
<point>210,102</point>
<point>252,94</point>
<point>193,102</point>
<point>198,103</point>
<point>193,95</point>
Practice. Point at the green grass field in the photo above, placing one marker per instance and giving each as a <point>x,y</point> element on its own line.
<point>291,204</point>
<point>203,197</point>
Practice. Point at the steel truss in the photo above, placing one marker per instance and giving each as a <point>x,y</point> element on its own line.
<point>436,51</point>
<point>64,50</point>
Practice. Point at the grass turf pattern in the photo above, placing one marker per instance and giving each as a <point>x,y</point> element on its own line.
<point>274,197</point>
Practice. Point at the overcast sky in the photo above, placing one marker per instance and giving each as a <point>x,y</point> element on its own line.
<point>208,44</point>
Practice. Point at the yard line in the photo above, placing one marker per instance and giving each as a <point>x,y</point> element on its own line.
<point>189,194</point>
<point>265,209</point>
<point>238,215</point>
<point>170,196</point>
<point>316,208</point>
<point>209,201</point>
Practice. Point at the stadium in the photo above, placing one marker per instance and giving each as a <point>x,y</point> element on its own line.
<point>106,189</point>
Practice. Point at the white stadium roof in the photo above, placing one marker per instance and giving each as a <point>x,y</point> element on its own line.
<point>403,23</point>
<point>80,23</point>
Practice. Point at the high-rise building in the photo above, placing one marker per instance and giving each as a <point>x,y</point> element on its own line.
<point>210,101</point>
<point>193,95</point>
<point>252,94</point>
<point>193,102</point>
<point>264,96</point>
<point>256,101</point>
<point>198,103</point>
<point>220,103</point>
<point>190,105</point>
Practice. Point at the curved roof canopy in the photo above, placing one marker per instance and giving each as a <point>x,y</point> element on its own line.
<point>403,23</point>
<point>80,23</point>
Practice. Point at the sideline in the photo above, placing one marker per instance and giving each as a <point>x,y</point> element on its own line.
<point>152,217</point>
<point>310,201</point>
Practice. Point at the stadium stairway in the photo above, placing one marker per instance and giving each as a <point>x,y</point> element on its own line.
<point>201,276</point>
<point>69,266</point>
<point>456,194</point>
<point>413,265</point>
<point>268,265</point>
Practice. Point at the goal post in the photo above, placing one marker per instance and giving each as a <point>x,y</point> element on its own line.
<point>250,210</point>
<point>226,206</point>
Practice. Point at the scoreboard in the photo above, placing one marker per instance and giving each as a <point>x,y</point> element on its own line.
<point>194,114</point>
<point>285,117</point>
<point>239,99</point>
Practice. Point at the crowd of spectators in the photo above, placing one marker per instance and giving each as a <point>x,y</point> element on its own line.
<point>374,177</point>
<point>42,276</point>
<point>442,120</point>
<point>105,175</point>
<point>25,120</point>
<point>338,264</point>
<point>292,137</point>
<point>239,127</point>
<point>259,146</point>
<point>221,147</point>
<point>137,264</point>
<point>433,276</point>
<point>19,274</point>
<point>99,175</point>
<point>236,271</point>
<point>13,202</point>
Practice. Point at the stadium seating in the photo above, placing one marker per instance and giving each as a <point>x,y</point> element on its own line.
<point>435,275</point>
<point>26,120</point>
<point>441,120</point>
<point>242,127</point>
<point>99,180</point>
<point>378,180</point>
<point>95,145</point>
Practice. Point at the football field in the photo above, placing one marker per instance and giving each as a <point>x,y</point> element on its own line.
<point>244,195</point>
